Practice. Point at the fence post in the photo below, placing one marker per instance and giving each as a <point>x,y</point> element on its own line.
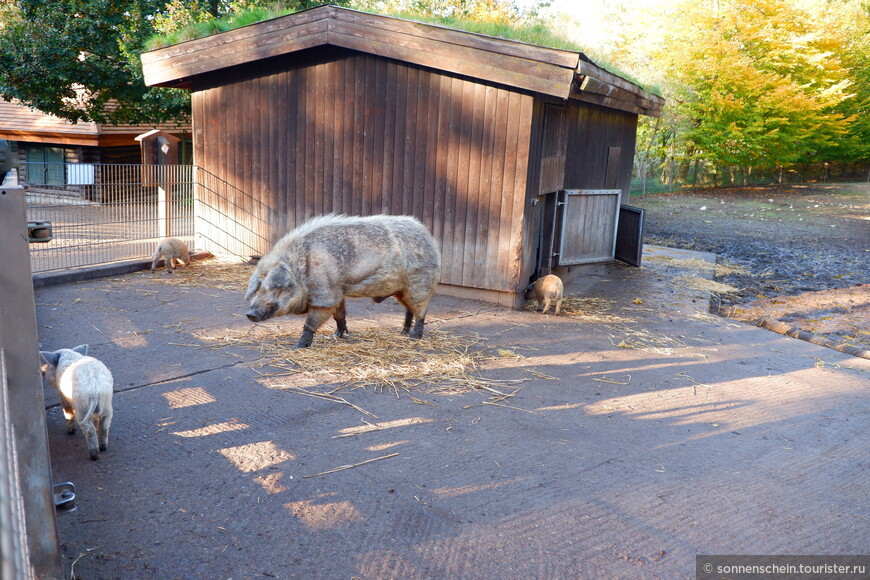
<point>164,206</point>
<point>19,345</point>
<point>197,208</point>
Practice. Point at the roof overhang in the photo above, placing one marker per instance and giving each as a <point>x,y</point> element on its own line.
<point>548,71</point>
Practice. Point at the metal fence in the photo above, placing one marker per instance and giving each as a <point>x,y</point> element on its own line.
<point>674,177</point>
<point>109,213</point>
<point>14,555</point>
<point>229,221</point>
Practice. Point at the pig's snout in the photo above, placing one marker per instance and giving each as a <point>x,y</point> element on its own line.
<point>260,314</point>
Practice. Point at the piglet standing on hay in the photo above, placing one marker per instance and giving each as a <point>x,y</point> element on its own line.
<point>85,388</point>
<point>173,251</point>
<point>546,289</point>
<point>329,258</point>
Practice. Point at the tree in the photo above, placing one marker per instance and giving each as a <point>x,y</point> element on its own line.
<point>851,18</point>
<point>760,83</point>
<point>78,60</point>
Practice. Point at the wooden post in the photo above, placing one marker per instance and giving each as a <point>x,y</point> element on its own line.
<point>26,403</point>
<point>160,152</point>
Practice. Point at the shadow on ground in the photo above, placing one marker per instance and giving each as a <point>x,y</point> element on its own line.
<point>638,433</point>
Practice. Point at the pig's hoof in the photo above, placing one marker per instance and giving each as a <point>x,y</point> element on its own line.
<point>94,456</point>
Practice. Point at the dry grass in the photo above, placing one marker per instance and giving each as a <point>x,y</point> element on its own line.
<point>696,282</point>
<point>441,363</point>
<point>643,339</point>
<point>623,332</point>
<point>700,265</point>
<point>597,310</point>
<point>211,273</point>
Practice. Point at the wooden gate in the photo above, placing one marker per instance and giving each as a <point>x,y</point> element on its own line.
<point>588,225</point>
<point>629,235</point>
<point>578,226</point>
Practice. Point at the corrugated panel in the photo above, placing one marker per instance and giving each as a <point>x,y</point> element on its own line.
<point>358,134</point>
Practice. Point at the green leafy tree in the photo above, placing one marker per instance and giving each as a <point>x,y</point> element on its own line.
<point>760,83</point>
<point>851,19</point>
<point>78,60</point>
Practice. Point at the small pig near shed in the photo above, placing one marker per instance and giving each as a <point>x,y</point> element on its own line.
<point>174,251</point>
<point>546,289</point>
<point>329,258</point>
<point>85,388</point>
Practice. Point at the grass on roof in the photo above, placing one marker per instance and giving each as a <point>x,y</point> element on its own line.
<point>536,34</point>
<point>531,33</point>
<point>215,26</point>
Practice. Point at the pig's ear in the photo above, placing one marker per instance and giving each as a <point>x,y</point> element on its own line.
<point>82,349</point>
<point>52,358</point>
<point>252,286</point>
<point>278,278</point>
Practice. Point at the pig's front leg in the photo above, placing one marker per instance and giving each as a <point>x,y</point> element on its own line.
<point>316,318</point>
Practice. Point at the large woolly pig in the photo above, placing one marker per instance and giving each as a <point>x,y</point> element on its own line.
<point>329,258</point>
<point>85,388</point>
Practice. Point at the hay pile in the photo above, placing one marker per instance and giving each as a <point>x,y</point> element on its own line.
<point>643,339</point>
<point>699,281</point>
<point>588,309</point>
<point>441,363</point>
<point>211,273</point>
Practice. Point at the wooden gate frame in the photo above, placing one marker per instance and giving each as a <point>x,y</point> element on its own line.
<point>563,201</point>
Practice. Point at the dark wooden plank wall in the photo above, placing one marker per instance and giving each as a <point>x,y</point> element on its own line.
<point>592,131</point>
<point>342,131</point>
<point>570,148</point>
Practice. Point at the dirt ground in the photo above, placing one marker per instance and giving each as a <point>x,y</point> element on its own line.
<point>619,440</point>
<point>798,254</point>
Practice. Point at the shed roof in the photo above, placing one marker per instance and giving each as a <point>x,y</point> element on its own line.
<point>549,71</point>
<point>21,123</point>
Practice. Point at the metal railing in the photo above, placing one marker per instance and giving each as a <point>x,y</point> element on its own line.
<point>109,213</point>
<point>229,221</point>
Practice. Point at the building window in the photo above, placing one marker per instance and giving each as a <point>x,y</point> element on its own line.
<point>45,165</point>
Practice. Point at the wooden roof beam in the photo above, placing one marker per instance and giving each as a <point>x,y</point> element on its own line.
<point>554,72</point>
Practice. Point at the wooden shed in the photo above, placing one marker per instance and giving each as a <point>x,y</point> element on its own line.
<point>483,139</point>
